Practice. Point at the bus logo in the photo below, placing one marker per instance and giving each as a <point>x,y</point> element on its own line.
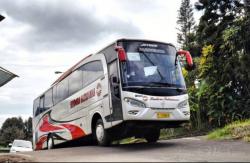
<point>86,96</point>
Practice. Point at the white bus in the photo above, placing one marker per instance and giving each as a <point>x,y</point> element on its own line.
<point>130,88</point>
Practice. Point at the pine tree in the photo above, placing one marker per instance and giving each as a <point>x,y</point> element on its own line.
<point>218,16</point>
<point>225,28</point>
<point>186,24</point>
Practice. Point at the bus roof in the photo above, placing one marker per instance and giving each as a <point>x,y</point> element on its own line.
<point>125,39</point>
<point>130,39</point>
<point>69,71</point>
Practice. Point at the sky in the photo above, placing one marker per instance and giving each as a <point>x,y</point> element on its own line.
<point>40,37</point>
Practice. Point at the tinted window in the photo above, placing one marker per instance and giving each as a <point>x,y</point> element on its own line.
<point>41,106</point>
<point>48,99</point>
<point>62,90</point>
<point>91,72</point>
<point>54,95</point>
<point>75,81</point>
<point>36,106</point>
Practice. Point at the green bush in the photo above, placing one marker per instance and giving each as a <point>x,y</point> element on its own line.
<point>236,130</point>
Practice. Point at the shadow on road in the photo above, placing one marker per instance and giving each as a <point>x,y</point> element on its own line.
<point>144,146</point>
<point>126,147</point>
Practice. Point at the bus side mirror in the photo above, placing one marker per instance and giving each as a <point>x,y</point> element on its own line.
<point>121,53</point>
<point>190,65</point>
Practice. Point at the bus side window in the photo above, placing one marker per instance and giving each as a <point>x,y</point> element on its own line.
<point>36,107</point>
<point>75,81</point>
<point>48,103</point>
<point>91,72</point>
<point>62,90</point>
<point>41,105</point>
<point>54,95</point>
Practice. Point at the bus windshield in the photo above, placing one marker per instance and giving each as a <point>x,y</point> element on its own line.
<point>153,65</point>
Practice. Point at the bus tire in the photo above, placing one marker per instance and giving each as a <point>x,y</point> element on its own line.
<point>152,136</point>
<point>101,135</point>
<point>50,142</point>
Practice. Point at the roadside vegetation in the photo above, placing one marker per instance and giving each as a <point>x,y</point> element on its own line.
<point>239,130</point>
<point>219,87</point>
<point>15,128</point>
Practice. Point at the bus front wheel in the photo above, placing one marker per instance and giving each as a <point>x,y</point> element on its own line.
<point>152,136</point>
<point>101,135</point>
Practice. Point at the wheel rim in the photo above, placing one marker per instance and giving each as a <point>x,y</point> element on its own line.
<point>50,143</point>
<point>99,132</point>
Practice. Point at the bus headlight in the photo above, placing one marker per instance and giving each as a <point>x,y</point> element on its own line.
<point>183,104</point>
<point>135,103</point>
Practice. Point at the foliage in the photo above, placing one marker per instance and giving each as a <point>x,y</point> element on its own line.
<point>218,16</point>
<point>186,27</point>
<point>28,129</point>
<point>235,130</point>
<point>15,128</point>
<point>223,68</point>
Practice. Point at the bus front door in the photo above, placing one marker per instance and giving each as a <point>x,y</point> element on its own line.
<point>116,106</point>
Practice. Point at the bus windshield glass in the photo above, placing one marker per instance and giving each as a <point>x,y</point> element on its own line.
<point>153,65</point>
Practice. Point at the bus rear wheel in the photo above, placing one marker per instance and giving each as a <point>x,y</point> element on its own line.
<point>152,136</point>
<point>101,135</point>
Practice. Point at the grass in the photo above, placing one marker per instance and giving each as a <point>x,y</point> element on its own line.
<point>131,140</point>
<point>237,130</point>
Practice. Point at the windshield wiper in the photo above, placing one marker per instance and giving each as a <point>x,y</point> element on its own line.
<point>135,87</point>
<point>160,84</point>
<point>172,86</point>
<point>166,84</point>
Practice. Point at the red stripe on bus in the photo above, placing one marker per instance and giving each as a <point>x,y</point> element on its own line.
<point>39,144</point>
<point>76,132</point>
<point>47,127</point>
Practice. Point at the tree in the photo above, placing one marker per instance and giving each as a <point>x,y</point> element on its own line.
<point>28,129</point>
<point>186,35</point>
<point>15,128</point>
<point>224,28</point>
<point>12,128</point>
<point>218,16</point>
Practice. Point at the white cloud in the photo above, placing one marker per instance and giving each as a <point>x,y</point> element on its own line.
<point>41,37</point>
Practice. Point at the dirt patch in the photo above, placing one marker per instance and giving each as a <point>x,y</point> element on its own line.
<point>15,158</point>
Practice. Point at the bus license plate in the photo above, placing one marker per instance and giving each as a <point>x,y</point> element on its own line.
<point>163,115</point>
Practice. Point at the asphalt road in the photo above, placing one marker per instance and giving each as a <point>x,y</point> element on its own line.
<point>185,149</point>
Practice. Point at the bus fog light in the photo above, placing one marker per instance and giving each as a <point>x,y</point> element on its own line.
<point>186,113</point>
<point>183,104</point>
<point>133,112</point>
<point>135,103</point>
